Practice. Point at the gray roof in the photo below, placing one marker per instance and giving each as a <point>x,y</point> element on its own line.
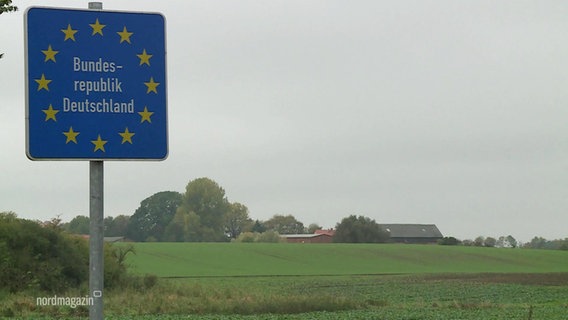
<point>398,230</point>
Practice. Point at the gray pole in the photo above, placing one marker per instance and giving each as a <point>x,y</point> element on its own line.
<point>96,237</point>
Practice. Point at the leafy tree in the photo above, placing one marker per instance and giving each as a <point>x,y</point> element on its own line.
<point>563,244</point>
<point>150,219</point>
<point>177,228</point>
<point>506,242</point>
<point>116,227</point>
<point>360,229</point>
<point>205,198</point>
<point>313,227</point>
<point>449,241</point>
<point>78,225</point>
<point>479,241</point>
<point>247,236</point>
<point>538,243</point>
<point>258,226</point>
<point>542,243</point>
<point>270,236</point>
<point>6,6</point>
<point>8,216</point>
<point>489,242</point>
<point>285,224</point>
<point>184,227</point>
<point>237,220</point>
<point>512,241</point>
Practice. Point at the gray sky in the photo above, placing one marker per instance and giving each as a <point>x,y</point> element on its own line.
<point>445,112</point>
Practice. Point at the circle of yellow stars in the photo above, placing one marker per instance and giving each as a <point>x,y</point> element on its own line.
<point>43,84</point>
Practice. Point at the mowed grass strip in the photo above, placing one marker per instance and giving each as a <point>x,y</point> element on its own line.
<point>283,259</point>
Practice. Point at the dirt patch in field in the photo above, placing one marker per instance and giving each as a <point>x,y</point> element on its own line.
<point>535,279</point>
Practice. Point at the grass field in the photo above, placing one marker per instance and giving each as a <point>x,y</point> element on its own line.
<point>367,281</point>
<point>392,297</point>
<point>258,281</point>
<point>254,259</point>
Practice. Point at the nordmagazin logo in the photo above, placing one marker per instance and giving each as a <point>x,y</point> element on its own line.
<point>72,302</point>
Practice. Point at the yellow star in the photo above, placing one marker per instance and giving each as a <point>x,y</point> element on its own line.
<point>69,33</point>
<point>125,35</point>
<point>71,136</point>
<point>126,136</point>
<point>97,27</point>
<point>151,85</point>
<point>99,144</point>
<point>49,54</point>
<point>144,57</point>
<point>50,113</point>
<point>145,115</point>
<point>42,83</point>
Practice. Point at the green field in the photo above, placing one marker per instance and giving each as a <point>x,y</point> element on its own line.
<point>202,281</point>
<point>377,281</point>
<point>357,281</point>
<point>474,297</point>
<point>255,259</point>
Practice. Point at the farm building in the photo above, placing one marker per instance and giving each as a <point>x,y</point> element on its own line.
<point>413,233</point>
<point>329,232</point>
<point>399,233</point>
<point>308,238</point>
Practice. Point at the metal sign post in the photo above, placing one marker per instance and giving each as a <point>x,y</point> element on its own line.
<point>96,91</point>
<point>96,238</point>
<point>96,229</point>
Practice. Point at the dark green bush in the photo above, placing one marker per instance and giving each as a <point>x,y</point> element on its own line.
<point>42,257</point>
<point>449,241</point>
<point>39,257</point>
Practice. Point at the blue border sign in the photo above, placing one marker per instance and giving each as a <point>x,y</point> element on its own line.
<point>95,85</point>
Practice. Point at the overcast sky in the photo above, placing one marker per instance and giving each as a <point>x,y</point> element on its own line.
<point>446,112</point>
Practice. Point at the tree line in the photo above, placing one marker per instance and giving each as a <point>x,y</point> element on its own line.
<point>508,242</point>
<point>204,214</point>
<point>201,214</point>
